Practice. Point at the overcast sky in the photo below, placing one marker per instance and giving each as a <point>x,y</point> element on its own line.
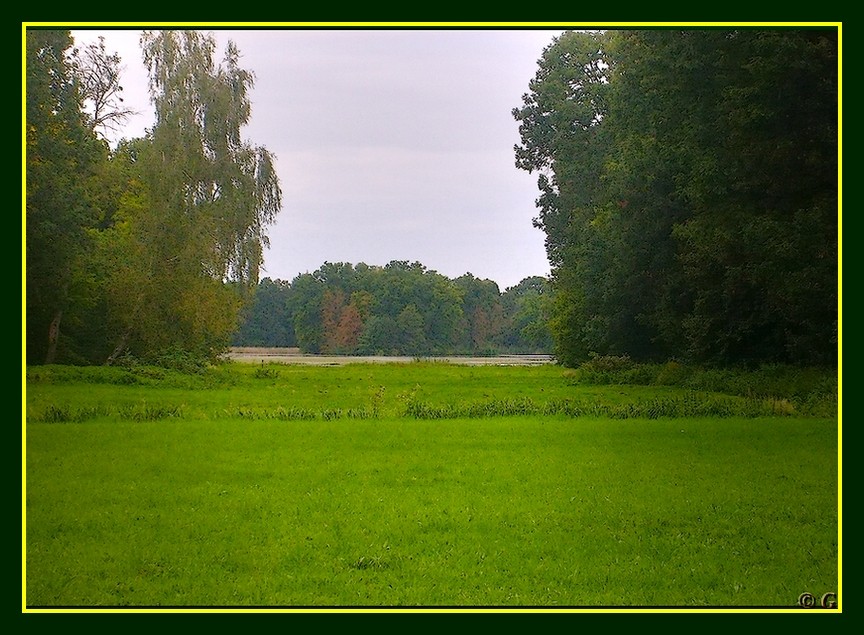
<point>390,145</point>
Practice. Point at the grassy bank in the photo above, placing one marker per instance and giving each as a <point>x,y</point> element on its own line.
<point>421,390</point>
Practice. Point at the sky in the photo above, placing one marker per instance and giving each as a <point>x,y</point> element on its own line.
<point>390,144</point>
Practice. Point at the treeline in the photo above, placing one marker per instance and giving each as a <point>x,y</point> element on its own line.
<point>689,193</point>
<point>401,308</point>
<point>150,248</point>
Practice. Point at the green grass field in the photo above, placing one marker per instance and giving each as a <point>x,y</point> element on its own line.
<point>420,485</point>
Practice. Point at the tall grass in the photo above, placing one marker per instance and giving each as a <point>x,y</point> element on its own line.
<point>806,390</point>
<point>612,387</point>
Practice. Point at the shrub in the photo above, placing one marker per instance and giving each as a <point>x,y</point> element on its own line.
<point>264,372</point>
<point>181,360</point>
<point>64,414</point>
<point>671,373</point>
<point>606,369</point>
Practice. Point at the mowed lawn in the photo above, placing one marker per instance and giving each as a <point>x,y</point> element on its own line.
<point>203,510</point>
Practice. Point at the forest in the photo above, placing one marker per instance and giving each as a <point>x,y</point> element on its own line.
<point>401,308</point>
<point>152,247</point>
<point>688,191</point>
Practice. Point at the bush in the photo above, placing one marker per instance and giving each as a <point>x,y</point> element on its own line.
<point>671,373</point>
<point>263,372</point>
<point>811,391</point>
<point>601,370</point>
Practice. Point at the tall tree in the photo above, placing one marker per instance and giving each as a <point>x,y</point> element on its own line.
<point>203,170</point>
<point>732,136</point>
<point>695,214</point>
<point>561,126</point>
<point>98,74</point>
<point>267,320</point>
<point>211,196</point>
<point>61,155</point>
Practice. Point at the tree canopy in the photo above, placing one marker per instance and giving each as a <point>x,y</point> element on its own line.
<point>689,192</point>
<point>401,308</point>
<point>62,155</point>
<point>155,245</point>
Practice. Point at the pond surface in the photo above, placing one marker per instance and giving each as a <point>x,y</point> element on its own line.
<point>294,356</point>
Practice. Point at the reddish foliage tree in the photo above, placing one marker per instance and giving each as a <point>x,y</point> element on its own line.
<point>349,329</point>
<point>332,305</point>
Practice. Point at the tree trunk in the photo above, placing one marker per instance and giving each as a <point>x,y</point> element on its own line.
<point>53,336</point>
<point>119,349</point>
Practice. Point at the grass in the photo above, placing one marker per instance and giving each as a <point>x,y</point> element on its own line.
<point>421,390</point>
<point>193,504</point>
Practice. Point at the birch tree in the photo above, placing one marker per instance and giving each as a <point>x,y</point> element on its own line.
<point>211,197</point>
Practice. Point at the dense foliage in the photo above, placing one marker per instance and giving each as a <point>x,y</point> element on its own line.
<point>689,193</point>
<point>401,308</point>
<point>149,248</point>
<point>62,160</point>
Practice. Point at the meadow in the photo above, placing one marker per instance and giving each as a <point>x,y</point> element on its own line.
<point>429,485</point>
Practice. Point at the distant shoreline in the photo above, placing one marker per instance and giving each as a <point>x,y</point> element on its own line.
<point>262,355</point>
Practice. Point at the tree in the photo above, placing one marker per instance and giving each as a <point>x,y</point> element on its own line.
<point>695,213</point>
<point>380,337</point>
<point>305,302</point>
<point>399,309</point>
<point>266,320</point>
<point>527,307</point>
<point>99,78</point>
<point>562,131</point>
<point>732,136</point>
<point>559,127</point>
<point>114,281</point>
<point>203,170</point>
<point>411,332</point>
<point>61,155</point>
<point>348,330</point>
<point>211,197</point>
<point>332,306</point>
<point>483,315</point>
